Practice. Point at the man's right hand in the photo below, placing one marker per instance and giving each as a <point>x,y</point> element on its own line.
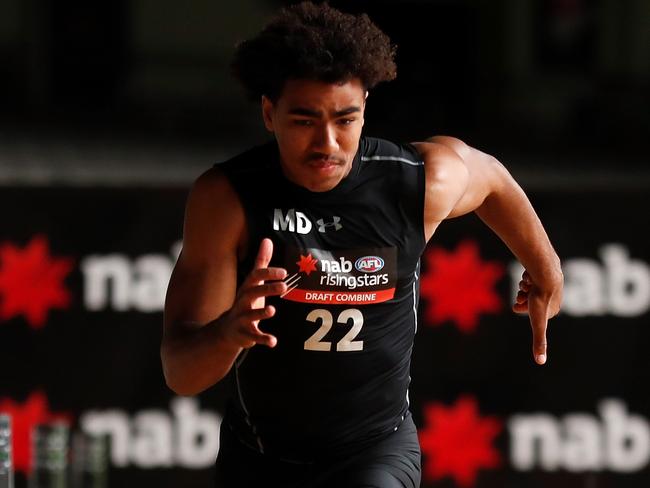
<point>209,314</point>
<point>240,325</point>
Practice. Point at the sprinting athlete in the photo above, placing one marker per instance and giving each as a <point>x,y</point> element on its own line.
<point>300,262</point>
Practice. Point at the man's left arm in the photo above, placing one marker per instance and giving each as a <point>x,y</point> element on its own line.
<point>460,180</point>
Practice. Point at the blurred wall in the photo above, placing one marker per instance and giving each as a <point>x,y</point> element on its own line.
<point>108,111</point>
<point>562,80</point>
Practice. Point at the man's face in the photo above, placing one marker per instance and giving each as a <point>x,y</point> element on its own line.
<point>318,127</point>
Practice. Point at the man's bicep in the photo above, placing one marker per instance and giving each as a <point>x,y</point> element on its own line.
<point>484,177</point>
<point>214,220</point>
<point>474,195</point>
<point>460,176</point>
<point>199,294</point>
<point>203,283</point>
<point>445,183</point>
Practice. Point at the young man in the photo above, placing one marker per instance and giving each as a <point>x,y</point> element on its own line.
<point>300,263</point>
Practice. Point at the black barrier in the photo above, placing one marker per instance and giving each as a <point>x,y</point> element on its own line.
<point>83,274</point>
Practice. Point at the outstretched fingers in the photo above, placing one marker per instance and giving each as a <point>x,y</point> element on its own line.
<point>243,327</point>
<point>248,296</point>
<point>538,313</point>
<point>264,254</point>
<point>541,303</point>
<point>266,274</point>
<point>261,271</point>
<point>249,307</point>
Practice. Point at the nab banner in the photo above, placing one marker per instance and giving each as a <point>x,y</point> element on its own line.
<point>83,276</point>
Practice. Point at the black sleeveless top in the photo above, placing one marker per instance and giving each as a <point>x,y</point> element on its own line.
<point>338,378</point>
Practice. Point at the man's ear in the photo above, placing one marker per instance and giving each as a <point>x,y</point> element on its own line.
<point>267,113</point>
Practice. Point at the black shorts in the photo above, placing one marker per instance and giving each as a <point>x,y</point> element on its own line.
<point>393,462</point>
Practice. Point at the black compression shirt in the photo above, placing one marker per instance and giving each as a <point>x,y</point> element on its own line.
<point>338,377</point>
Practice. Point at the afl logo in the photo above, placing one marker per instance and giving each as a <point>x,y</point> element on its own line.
<point>369,264</point>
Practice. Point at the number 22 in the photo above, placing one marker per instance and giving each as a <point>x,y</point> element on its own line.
<point>314,343</point>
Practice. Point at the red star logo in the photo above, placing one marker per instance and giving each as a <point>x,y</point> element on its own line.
<point>457,442</point>
<point>459,286</point>
<point>31,281</point>
<point>307,264</point>
<point>23,418</point>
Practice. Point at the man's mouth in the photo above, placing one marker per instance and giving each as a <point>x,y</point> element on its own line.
<point>324,162</point>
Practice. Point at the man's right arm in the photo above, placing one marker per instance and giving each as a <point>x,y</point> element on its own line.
<point>207,320</point>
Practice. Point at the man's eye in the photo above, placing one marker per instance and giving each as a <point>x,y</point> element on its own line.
<point>303,122</point>
<point>345,121</point>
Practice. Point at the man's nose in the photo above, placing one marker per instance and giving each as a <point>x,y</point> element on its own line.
<point>325,140</point>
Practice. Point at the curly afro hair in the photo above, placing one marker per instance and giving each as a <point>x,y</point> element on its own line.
<point>317,42</point>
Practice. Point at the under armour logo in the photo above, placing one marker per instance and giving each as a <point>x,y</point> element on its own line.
<point>336,224</point>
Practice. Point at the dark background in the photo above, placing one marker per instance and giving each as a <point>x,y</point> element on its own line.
<point>109,110</point>
<point>550,86</point>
